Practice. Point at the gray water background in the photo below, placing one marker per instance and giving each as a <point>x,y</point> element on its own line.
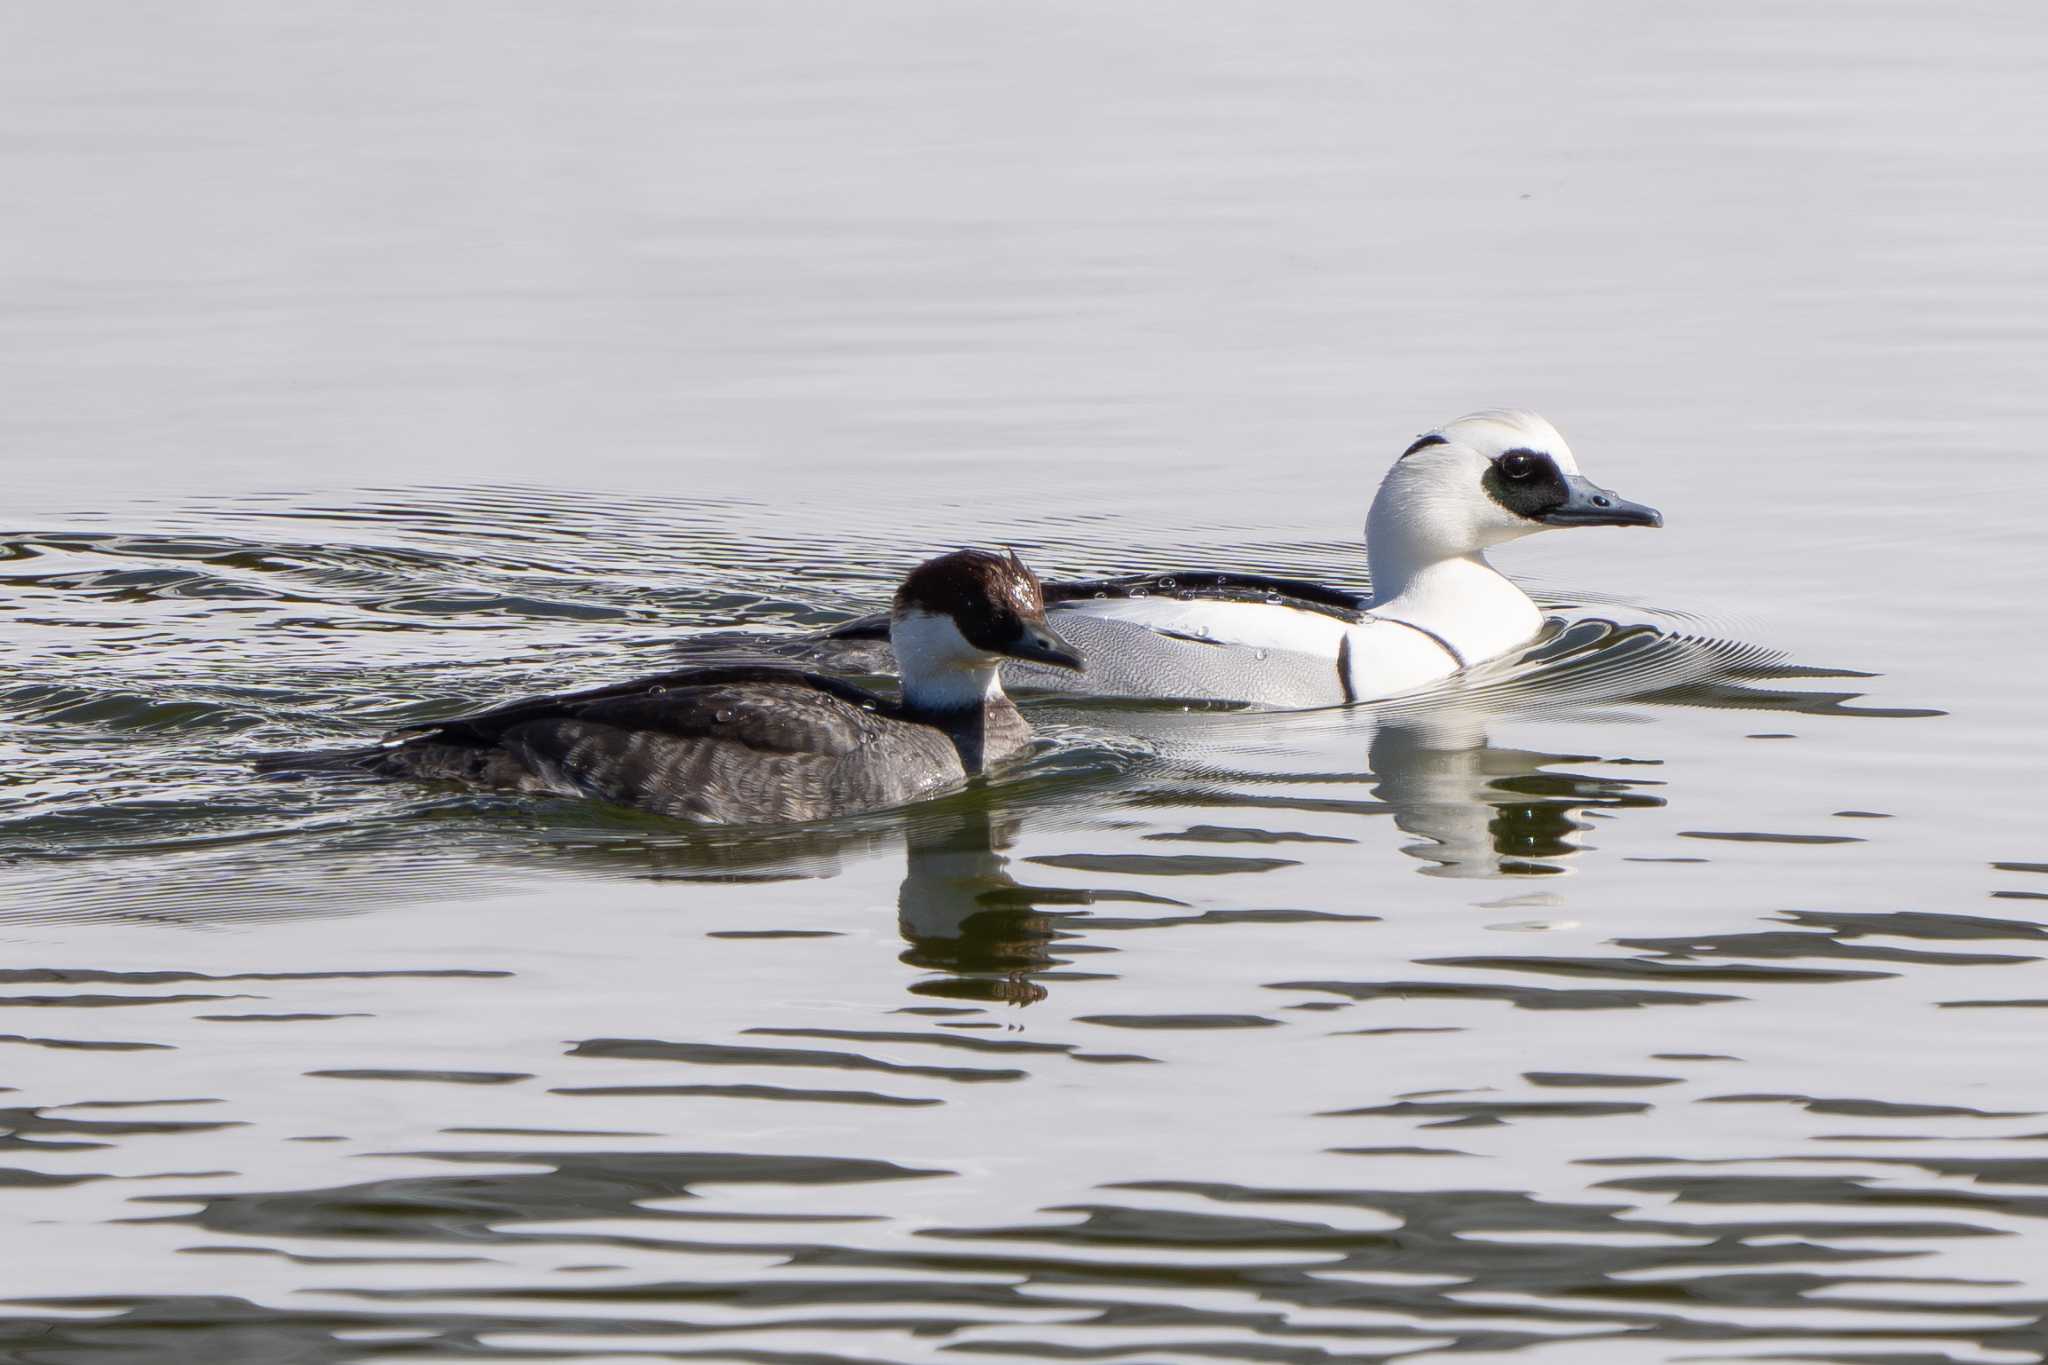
<point>365,363</point>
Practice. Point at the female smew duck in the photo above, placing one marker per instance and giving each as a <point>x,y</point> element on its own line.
<point>767,744</point>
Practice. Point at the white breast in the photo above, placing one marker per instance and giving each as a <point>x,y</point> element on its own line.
<point>1387,658</point>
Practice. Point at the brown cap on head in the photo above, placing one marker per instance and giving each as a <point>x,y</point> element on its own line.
<point>972,584</point>
<point>994,600</point>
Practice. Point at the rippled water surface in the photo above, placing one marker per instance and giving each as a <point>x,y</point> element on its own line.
<point>1675,992</point>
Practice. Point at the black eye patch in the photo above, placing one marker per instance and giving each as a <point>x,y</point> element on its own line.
<point>990,628</point>
<point>1526,482</point>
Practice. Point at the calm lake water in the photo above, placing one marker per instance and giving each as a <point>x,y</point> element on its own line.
<point>1677,994</point>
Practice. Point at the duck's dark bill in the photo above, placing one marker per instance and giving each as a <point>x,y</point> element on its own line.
<point>1588,504</point>
<point>1041,644</point>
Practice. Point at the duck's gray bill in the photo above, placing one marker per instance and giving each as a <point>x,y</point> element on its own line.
<point>1041,644</point>
<point>1588,504</point>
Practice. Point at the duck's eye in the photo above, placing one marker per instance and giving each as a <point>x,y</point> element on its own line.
<point>1517,464</point>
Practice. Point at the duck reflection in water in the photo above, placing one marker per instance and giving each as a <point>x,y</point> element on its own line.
<point>1481,811</point>
<point>962,913</point>
<point>1477,811</point>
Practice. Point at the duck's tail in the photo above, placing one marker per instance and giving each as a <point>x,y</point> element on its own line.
<point>435,756</point>
<point>374,759</point>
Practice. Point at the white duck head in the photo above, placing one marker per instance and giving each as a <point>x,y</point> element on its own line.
<point>1477,482</point>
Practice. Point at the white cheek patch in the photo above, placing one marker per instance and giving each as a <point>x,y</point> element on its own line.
<point>941,668</point>
<point>928,643</point>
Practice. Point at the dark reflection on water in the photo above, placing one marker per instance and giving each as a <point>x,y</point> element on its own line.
<point>966,917</point>
<point>1081,1096</point>
<point>1479,1269</point>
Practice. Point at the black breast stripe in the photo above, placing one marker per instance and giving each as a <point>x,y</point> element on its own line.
<point>1344,669</point>
<point>1442,643</point>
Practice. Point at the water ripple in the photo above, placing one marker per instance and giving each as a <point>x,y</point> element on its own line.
<point>777,1124</point>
